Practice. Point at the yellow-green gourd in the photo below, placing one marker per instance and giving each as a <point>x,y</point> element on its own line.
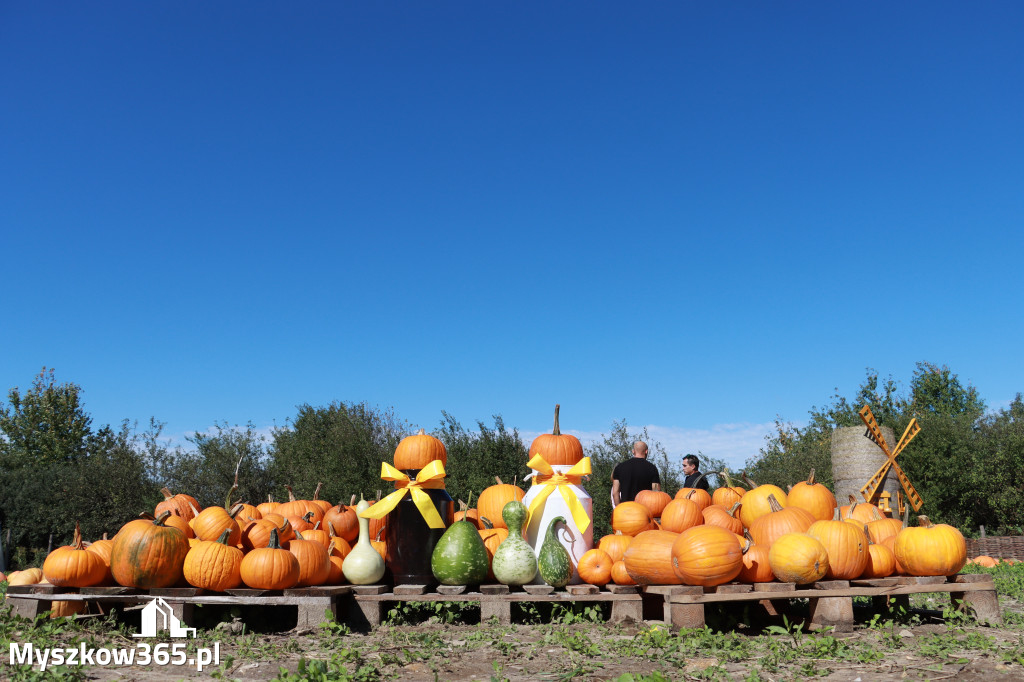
<point>363,565</point>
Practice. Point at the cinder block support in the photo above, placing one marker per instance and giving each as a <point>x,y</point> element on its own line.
<point>314,612</point>
<point>831,612</point>
<point>184,612</point>
<point>495,607</point>
<point>28,608</point>
<point>983,603</point>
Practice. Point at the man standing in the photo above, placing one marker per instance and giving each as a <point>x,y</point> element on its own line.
<point>691,467</point>
<point>634,475</point>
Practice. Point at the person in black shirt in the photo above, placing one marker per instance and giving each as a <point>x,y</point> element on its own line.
<point>634,475</point>
<point>691,467</point>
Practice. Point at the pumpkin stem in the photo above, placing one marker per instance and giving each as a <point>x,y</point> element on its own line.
<point>556,431</point>
<point>382,529</point>
<point>307,517</point>
<point>462,506</point>
<point>275,542</point>
<point>746,534</point>
<point>270,498</point>
<point>924,522</point>
<point>195,512</point>
<point>316,493</point>
<point>470,500</point>
<point>724,473</point>
<point>774,503</point>
<point>853,505</point>
<point>810,478</point>
<point>699,479</point>
<point>789,488</point>
<point>422,432</point>
<point>234,510</point>
<point>298,536</point>
<point>835,515</point>
<point>352,501</point>
<point>223,539</point>
<point>487,523</point>
<point>168,495</point>
<point>316,526</point>
<point>498,480</point>
<point>330,531</point>
<point>234,486</point>
<point>104,536</point>
<point>732,512</point>
<point>147,516</point>
<point>291,493</point>
<point>159,521</point>
<point>77,541</point>
<point>747,480</point>
<point>377,499</point>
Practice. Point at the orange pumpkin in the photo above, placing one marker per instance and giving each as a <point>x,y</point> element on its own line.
<point>707,556</point>
<point>931,549</point>
<point>336,576</point>
<point>214,565</point>
<point>798,558</point>
<point>631,518</point>
<point>29,576</point>
<point>213,521</point>
<point>654,500</point>
<point>102,549</point>
<point>317,534</point>
<point>148,554</point>
<point>883,528</point>
<point>984,561</point>
<point>860,512</point>
<point>492,538</point>
<point>557,448</point>
<point>881,562</point>
<point>470,515</point>
<point>847,547</point>
<point>718,516</point>
<point>323,504</point>
<point>299,508</point>
<point>728,494</point>
<point>271,567</point>
<point>699,496</point>
<point>417,451</point>
<point>756,567</point>
<point>755,504</point>
<point>342,519</point>
<point>620,576</point>
<point>494,498</point>
<point>814,498</point>
<point>314,561</point>
<point>615,545</point>
<point>780,521</point>
<point>680,514</point>
<point>268,506</point>
<point>595,567</point>
<point>175,521</point>
<point>649,558</point>
<point>890,544</point>
<point>181,505</point>
<point>73,565</point>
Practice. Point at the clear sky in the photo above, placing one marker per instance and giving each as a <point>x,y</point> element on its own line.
<point>693,216</point>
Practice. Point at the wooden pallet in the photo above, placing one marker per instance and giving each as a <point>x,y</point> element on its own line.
<point>831,602</point>
<point>495,600</point>
<point>312,602</point>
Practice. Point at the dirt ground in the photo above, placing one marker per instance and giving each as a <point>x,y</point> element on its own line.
<point>920,645</point>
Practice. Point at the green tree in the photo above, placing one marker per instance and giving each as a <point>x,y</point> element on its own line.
<point>341,445</point>
<point>475,458</point>
<point>45,424</point>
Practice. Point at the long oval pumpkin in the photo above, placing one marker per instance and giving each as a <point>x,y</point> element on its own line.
<point>648,558</point>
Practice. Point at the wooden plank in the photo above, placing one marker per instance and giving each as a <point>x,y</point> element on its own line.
<point>494,589</point>
<point>249,592</point>
<point>111,590</point>
<point>671,589</point>
<point>511,597</point>
<point>317,591</point>
<point>451,589</point>
<point>847,592</point>
<point>406,590</point>
<point>538,589</point>
<point>731,588</point>
<point>921,580</point>
<point>623,589</point>
<point>875,582</point>
<point>177,592</point>
<point>370,589</point>
<point>585,588</point>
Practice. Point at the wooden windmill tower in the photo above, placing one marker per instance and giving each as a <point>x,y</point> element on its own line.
<point>871,490</point>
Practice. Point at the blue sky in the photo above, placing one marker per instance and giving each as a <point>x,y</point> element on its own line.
<point>692,216</point>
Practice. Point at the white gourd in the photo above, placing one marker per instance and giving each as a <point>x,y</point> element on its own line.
<point>363,565</point>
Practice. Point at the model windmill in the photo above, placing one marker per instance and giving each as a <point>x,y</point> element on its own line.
<point>871,489</point>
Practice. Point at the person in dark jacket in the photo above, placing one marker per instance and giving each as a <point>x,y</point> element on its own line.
<point>634,475</point>
<point>691,467</point>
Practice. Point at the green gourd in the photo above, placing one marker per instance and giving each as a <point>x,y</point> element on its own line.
<point>553,561</point>
<point>363,565</point>
<point>514,561</point>
<point>459,557</point>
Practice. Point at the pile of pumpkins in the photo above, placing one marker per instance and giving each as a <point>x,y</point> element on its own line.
<point>763,534</point>
<point>270,546</point>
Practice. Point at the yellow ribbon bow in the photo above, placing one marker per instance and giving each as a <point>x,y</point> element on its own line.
<point>548,478</point>
<point>430,476</point>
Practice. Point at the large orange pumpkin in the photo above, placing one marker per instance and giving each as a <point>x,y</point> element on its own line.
<point>417,451</point>
<point>780,521</point>
<point>680,514</point>
<point>649,558</point>
<point>814,498</point>
<point>213,521</point>
<point>798,558</point>
<point>595,567</point>
<point>557,448</point>
<point>890,544</point>
<point>881,562</point>
<point>631,518</point>
<point>883,528</point>
<point>707,556</point>
<point>931,549</point>
<point>654,500</point>
<point>214,565</point>
<point>699,496</point>
<point>717,516</point>
<point>270,568</point>
<point>314,561</point>
<point>754,503</point>
<point>73,565</point>
<point>861,512</point>
<point>148,554</point>
<point>268,506</point>
<point>342,519</point>
<point>847,547</point>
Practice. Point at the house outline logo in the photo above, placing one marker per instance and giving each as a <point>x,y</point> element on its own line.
<point>156,609</point>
